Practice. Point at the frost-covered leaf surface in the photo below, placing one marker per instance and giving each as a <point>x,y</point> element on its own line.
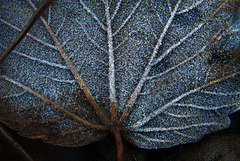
<point>146,66</point>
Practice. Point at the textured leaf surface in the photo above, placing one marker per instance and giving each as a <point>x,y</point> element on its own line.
<point>143,65</point>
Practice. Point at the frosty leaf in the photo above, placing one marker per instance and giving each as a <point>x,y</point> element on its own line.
<point>141,67</point>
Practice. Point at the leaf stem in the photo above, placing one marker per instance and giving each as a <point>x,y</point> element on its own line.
<point>29,25</point>
<point>15,144</point>
<point>118,138</point>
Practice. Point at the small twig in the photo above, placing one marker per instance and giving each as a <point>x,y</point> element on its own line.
<point>29,25</point>
<point>15,144</point>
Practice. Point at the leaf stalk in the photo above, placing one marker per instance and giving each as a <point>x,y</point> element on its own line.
<point>118,138</point>
<point>29,25</point>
